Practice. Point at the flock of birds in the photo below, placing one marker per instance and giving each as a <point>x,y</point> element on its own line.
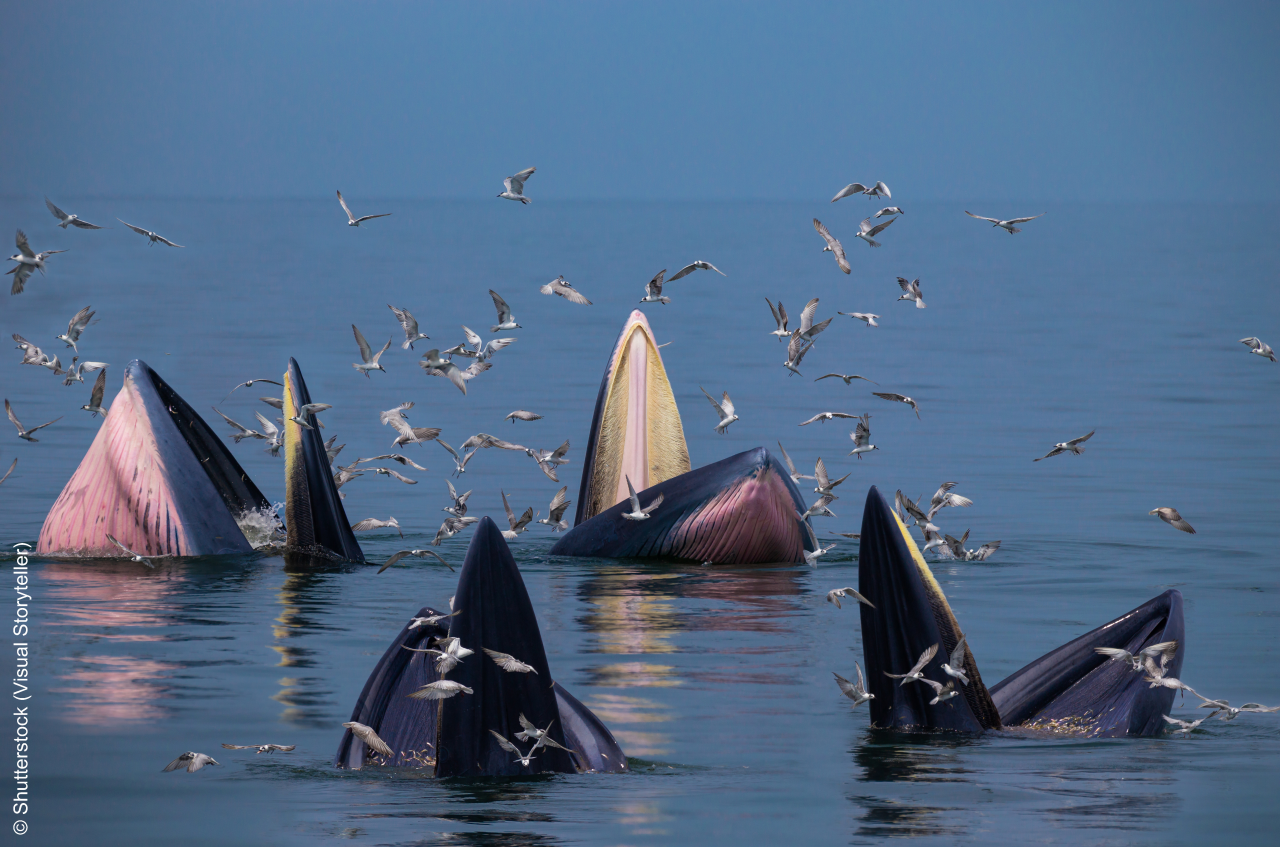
<point>480,355</point>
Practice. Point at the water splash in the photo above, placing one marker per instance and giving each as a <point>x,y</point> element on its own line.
<point>262,527</point>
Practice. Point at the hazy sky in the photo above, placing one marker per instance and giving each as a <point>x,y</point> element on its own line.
<point>1074,101</point>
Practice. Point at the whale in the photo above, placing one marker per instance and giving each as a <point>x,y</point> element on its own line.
<point>158,479</point>
<point>1071,690</point>
<point>740,510</point>
<point>453,736</point>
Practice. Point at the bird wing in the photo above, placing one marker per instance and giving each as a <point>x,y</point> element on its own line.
<point>504,311</point>
<point>367,523</point>
<point>984,552</point>
<point>365,353</point>
<point>400,477</point>
<point>268,428</point>
<point>233,423</point>
<point>883,190</point>
<point>242,746</point>
<point>165,240</point>
<point>136,229</point>
<point>500,343</point>
<point>407,322</point>
<point>813,536</point>
<point>936,686</point>
<point>1024,220</point>
<point>345,208</point>
<point>182,761</point>
<point>957,655</point>
<point>454,373</point>
<point>384,349</point>
<point>635,499</point>
<point>452,452</point>
<point>99,386</point>
<point>890,396</point>
<point>777,317</point>
<point>395,557</point>
<point>6,473</point>
<point>707,266</point>
<point>655,504</point>
<point>981,218</point>
<point>806,314</point>
<point>371,739</point>
<point>862,683</point>
<point>511,516</point>
<point>371,217</point>
<point>1113,652</point>
<point>683,272</point>
<point>849,190</point>
<point>572,294</point>
<point>820,473</point>
<point>925,658</point>
<point>525,723</point>
<point>57,213</point>
<point>876,230</point>
<point>847,688</point>
<point>727,405</point>
<point>77,324</point>
<point>719,409</point>
<point>558,504</point>
<point>816,417</point>
<point>1082,439</point>
<point>1055,451</point>
<point>23,246</point>
<point>502,742</point>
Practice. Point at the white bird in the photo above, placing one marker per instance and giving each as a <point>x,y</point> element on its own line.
<point>1072,446</point>
<point>410,326</point>
<point>451,527</point>
<point>796,350</point>
<point>917,670</point>
<point>695,266</point>
<point>441,689</point>
<point>796,476</point>
<point>779,315</point>
<point>861,436</point>
<point>888,211</point>
<point>306,414</point>
<point>826,416</point>
<point>136,557</point>
<point>514,186</point>
<point>23,433</point>
<point>868,233</point>
<point>76,326</point>
<point>433,361</point>
<point>1185,727</point>
<point>1165,651</point>
<point>944,497</point>
<point>522,415</point>
<point>724,409</point>
<point>479,351</point>
<point>898,398</point>
<point>879,190</point>
<point>866,317</point>
<point>76,372</point>
<point>825,484</point>
<point>279,404</point>
<point>637,513</point>
<point>191,761</point>
<point>555,511</point>
<point>508,662</point>
<point>275,439</point>
<point>811,556</point>
<point>421,554</point>
<point>1008,225</point>
<point>369,359</point>
<point>911,291</point>
<point>956,550</point>
<point>369,737</point>
<point>549,460</point>
<point>6,473</point>
<point>505,320</point>
<point>518,525</point>
<point>653,290</point>
<point>1172,518</point>
<point>396,475</point>
<point>459,502</point>
<point>1258,346</point>
<point>808,329</point>
<point>819,508</point>
<point>262,748</point>
<point>374,523</point>
<point>954,667</point>
<point>64,219</point>
<point>848,379</point>
<point>530,732</point>
<point>523,758</point>
<point>460,462</point>
<point>834,595</point>
<point>564,289</point>
<point>241,431</point>
<point>431,620</point>
<point>941,693</point>
<point>352,220</point>
<point>834,246</point>
<point>855,691</point>
<point>447,658</point>
<point>28,262</point>
<point>850,190</point>
<point>151,237</point>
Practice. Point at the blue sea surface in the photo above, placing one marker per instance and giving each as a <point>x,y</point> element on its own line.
<point>717,681</point>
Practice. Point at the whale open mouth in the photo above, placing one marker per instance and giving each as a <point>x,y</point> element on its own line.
<point>157,478</point>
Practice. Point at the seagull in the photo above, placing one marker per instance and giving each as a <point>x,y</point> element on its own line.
<point>352,220</point>
<point>564,289</point>
<point>941,693</point>
<point>262,748</point>
<point>460,462</point>
<point>855,691</point>
<point>879,190</point>
<point>28,262</point>
<point>369,737</point>
<point>808,330</point>
<point>395,457</point>
<point>25,434</point>
<point>64,219</point>
<point>421,554</point>
<point>441,689</point>
<point>136,557</point>
<point>1008,225</point>
<point>819,508</point>
<point>911,291</point>
<point>459,507</point>
<point>825,484</point>
<point>955,548</point>
<point>917,670</point>
<point>1165,650</point>
<point>850,190</point>
<point>6,473</point>
<point>637,513</point>
<point>31,354</point>
<point>431,620</point>
<point>518,525</point>
<point>724,409</point>
<point>241,432</point>
<point>868,233</point>
<point>898,398</point>
<point>275,439</point>
<point>695,266</point>
<point>833,245</point>
<point>307,412</point>
<point>866,317</point>
<point>1185,727</point>
<point>811,557</point>
<point>779,315</point>
<point>514,186</point>
<point>76,326</point>
<point>888,211</point>
<point>483,441</point>
<point>1172,518</point>
<point>925,522</point>
<point>391,473</point>
<point>848,379</point>
<point>796,476</point>
<point>432,361</point>
<point>530,732</point>
<point>826,416</point>
<point>369,358</point>
<point>410,434</point>
<point>934,541</point>
<point>505,321</point>
<point>53,365</point>
<point>954,667</point>
<point>251,382</point>
<point>95,398</point>
<point>1258,346</point>
<point>861,436</point>
<point>1072,446</point>
<point>555,511</point>
<point>480,351</point>
<point>834,595</point>
<point>522,415</point>
<point>653,289</point>
<point>943,498</point>
<point>374,523</point>
<point>451,527</point>
<point>796,350</point>
<point>508,662</point>
<point>523,758</point>
<point>410,326</point>
<point>191,761</point>
<point>448,658</point>
<point>152,237</point>
<point>549,460</point>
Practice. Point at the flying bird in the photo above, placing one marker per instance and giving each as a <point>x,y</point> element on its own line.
<point>834,595</point>
<point>241,431</point>
<point>523,758</point>
<point>505,321</point>
<point>508,663</point>
<point>11,467</point>
<point>432,361</point>
<point>833,245</point>
<point>811,556</point>
<point>421,554</point>
<point>1072,446</point>
<point>564,289</point>
<point>64,219</point>
<point>441,689</point>
<point>796,350</point>
<point>1172,518</point>
<point>796,476</point>
<point>23,433</point>
<point>192,762</point>
<point>352,220</point>
<point>478,350</point>
<point>808,329</point>
<point>410,326</point>
<point>369,359</point>
<point>779,315</point>
<point>28,261</point>
<point>866,317</point>
<point>855,691</point>
<point>262,748</point>
<point>95,397</point>
<point>898,398</point>
<point>637,513</point>
<point>151,237</point>
<point>279,404</point>
<point>695,266</point>
<point>451,527</point>
<point>136,557</point>
<point>514,186</point>
<point>76,326</point>
<point>1008,225</point>
<point>530,732</point>
<point>1259,347</point>
<point>374,523</point>
<point>826,416</point>
<point>460,462</point>
<point>888,211</point>
<point>459,507</point>
<point>653,290</point>
<point>917,670</point>
<point>522,415</point>
<point>369,737</point>
<point>723,408</point>
<point>518,525</point>
<point>911,291</point>
<point>861,436</point>
<point>825,485</point>
<point>868,233</point>
<point>848,378</point>
<point>555,511</point>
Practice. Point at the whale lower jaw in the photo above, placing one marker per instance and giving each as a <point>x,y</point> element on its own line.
<point>155,477</point>
<point>740,510</point>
